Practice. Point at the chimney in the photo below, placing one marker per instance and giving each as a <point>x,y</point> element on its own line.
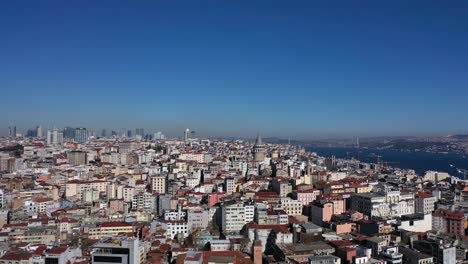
<point>257,252</point>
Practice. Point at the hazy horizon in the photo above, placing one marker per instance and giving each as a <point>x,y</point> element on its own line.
<point>244,134</point>
<point>302,70</point>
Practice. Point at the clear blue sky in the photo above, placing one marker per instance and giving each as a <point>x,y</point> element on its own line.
<point>231,68</point>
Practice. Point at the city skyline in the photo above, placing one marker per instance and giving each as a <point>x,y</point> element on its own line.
<point>253,132</point>
<point>32,132</point>
<point>231,69</point>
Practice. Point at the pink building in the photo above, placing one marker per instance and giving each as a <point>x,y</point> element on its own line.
<point>343,228</point>
<point>215,198</point>
<point>116,206</point>
<point>306,196</point>
<point>449,222</point>
<point>455,222</point>
<point>321,211</point>
<point>339,203</point>
<point>339,206</point>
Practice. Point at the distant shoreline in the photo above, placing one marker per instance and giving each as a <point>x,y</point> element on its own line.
<point>418,161</point>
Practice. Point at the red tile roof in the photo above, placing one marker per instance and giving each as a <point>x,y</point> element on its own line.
<point>16,256</point>
<point>423,195</point>
<point>58,250</point>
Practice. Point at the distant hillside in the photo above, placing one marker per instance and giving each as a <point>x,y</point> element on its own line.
<point>275,140</point>
<point>460,137</point>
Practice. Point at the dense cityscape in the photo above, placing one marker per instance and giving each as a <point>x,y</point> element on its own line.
<point>234,132</point>
<point>75,196</point>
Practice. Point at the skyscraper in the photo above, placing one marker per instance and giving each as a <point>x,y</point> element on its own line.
<point>14,131</point>
<point>129,133</point>
<point>158,135</point>
<point>187,136</point>
<point>69,132</point>
<point>140,132</point>
<point>54,137</point>
<point>81,135</point>
<point>39,131</point>
<point>30,133</point>
<point>103,133</point>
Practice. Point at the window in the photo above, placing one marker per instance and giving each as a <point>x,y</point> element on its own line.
<point>107,259</point>
<point>51,261</point>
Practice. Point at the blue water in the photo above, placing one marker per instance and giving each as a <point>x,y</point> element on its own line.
<point>419,161</point>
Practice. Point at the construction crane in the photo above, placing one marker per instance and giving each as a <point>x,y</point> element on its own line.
<point>347,155</point>
<point>379,166</point>
<point>373,155</point>
<point>378,158</point>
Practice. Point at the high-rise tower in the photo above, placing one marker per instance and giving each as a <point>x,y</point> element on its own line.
<point>81,135</point>
<point>187,136</point>
<point>39,131</point>
<point>54,137</point>
<point>140,132</point>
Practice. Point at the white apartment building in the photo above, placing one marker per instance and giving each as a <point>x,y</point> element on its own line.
<point>232,216</point>
<point>435,176</point>
<point>249,213</point>
<point>424,203</point>
<point>2,198</point>
<point>128,193</point>
<point>416,223</point>
<point>174,228</point>
<point>291,207</point>
<point>117,250</point>
<point>229,184</point>
<point>192,181</point>
<point>142,201</point>
<point>159,184</point>
<point>75,187</point>
<point>175,215</point>
<point>197,219</point>
<point>199,157</point>
<point>385,203</point>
